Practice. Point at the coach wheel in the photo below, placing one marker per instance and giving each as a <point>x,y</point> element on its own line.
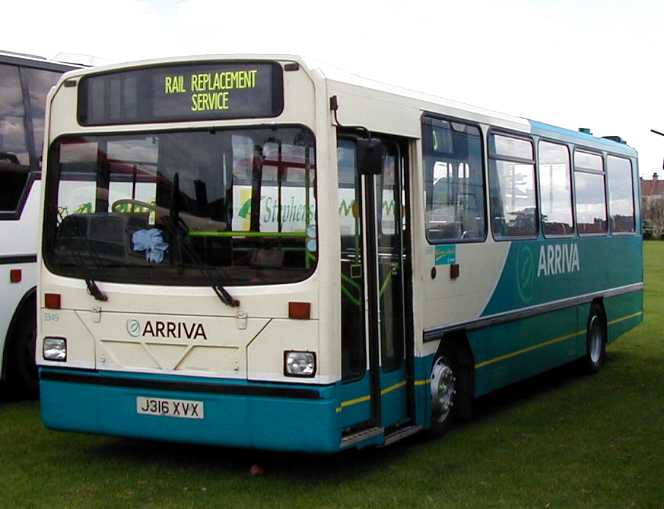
<point>443,390</point>
<point>21,363</point>
<point>595,341</point>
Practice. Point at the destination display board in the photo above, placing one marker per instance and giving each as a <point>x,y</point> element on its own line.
<point>206,91</point>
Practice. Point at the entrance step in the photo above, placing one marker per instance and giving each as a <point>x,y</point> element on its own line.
<point>401,433</point>
<point>361,436</point>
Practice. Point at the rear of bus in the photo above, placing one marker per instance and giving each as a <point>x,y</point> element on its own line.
<point>181,260</point>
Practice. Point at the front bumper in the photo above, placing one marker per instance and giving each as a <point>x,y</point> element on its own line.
<point>284,417</point>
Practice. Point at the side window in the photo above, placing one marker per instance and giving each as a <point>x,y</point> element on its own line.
<point>590,195</point>
<point>14,159</point>
<point>453,180</point>
<point>555,189</point>
<point>512,187</point>
<point>39,82</point>
<point>621,194</point>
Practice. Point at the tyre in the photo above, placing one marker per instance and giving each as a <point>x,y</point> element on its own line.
<point>21,368</point>
<point>443,394</point>
<point>595,340</point>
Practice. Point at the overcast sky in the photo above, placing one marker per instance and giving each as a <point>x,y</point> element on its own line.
<point>583,63</point>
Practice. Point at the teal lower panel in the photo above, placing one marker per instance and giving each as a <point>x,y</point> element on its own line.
<point>355,398</point>
<point>623,312</point>
<point>393,397</point>
<point>276,423</point>
<point>513,351</point>
<point>422,377</point>
<point>354,414</point>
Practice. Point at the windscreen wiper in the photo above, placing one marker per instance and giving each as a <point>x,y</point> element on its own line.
<point>90,283</point>
<point>95,291</point>
<point>178,230</point>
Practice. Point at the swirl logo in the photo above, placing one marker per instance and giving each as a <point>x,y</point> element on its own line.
<point>525,273</point>
<point>134,328</point>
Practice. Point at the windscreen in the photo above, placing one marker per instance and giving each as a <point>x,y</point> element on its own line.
<point>172,207</point>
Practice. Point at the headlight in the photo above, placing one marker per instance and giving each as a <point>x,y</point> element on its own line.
<point>55,349</point>
<point>299,364</point>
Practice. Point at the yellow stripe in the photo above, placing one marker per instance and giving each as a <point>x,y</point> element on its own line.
<point>351,402</point>
<point>633,315</point>
<point>549,342</point>
<point>529,349</point>
<point>362,399</point>
<point>425,381</point>
<point>394,387</point>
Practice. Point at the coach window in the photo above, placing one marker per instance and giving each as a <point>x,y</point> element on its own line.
<point>14,160</point>
<point>39,82</point>
<point>555,189</point>
<point>454,181</point>
<point>512,187</point>
<point>621,194</point>
<point>590,194</point>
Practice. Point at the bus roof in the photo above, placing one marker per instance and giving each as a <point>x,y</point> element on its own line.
<point>580,138</point>
<point>414,98</point>
<point>525,124</point>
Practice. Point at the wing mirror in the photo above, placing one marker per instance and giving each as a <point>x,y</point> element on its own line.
<point>370,156</point>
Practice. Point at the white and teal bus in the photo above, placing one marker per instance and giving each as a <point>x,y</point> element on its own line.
<point>247,251</point>
<point>24,82</point>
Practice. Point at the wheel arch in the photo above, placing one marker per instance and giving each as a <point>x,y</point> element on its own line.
<point>28,299</point>
<point>456,346</point>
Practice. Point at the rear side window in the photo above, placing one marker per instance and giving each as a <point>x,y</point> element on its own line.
<point>14,158</point>
<point>621,194</point>
<point>454,181</point>
<point>590,195</point>
<point>512,187</point>
<point>555,189</point>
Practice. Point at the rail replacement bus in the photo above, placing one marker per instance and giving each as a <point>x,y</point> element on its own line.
<point>24,82</point>
<point>248,251</point>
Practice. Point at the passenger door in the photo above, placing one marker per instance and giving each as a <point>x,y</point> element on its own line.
<point>374,263</point>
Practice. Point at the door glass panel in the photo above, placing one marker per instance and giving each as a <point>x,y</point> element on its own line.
<point>388,217</point>
<point>353,356</point>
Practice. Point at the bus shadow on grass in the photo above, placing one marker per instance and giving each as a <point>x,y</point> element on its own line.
<point>214,460</point>
<point>347,464</point>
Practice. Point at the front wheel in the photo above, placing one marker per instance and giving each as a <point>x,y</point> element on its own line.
<point>595,340</point>
<point>443,395</point>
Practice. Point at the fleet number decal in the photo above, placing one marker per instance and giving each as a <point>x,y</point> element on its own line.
<point>170,407</point>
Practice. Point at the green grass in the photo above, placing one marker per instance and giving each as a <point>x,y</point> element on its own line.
<point>561,440</point>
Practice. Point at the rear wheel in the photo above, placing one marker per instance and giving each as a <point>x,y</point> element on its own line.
<point>595,340</point>
<point>21,367</point>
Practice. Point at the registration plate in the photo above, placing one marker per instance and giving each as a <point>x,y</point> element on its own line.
<point>186,409</point>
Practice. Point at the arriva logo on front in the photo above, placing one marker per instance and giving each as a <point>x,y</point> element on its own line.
<point>166,329</point>
<point>558,259</point>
